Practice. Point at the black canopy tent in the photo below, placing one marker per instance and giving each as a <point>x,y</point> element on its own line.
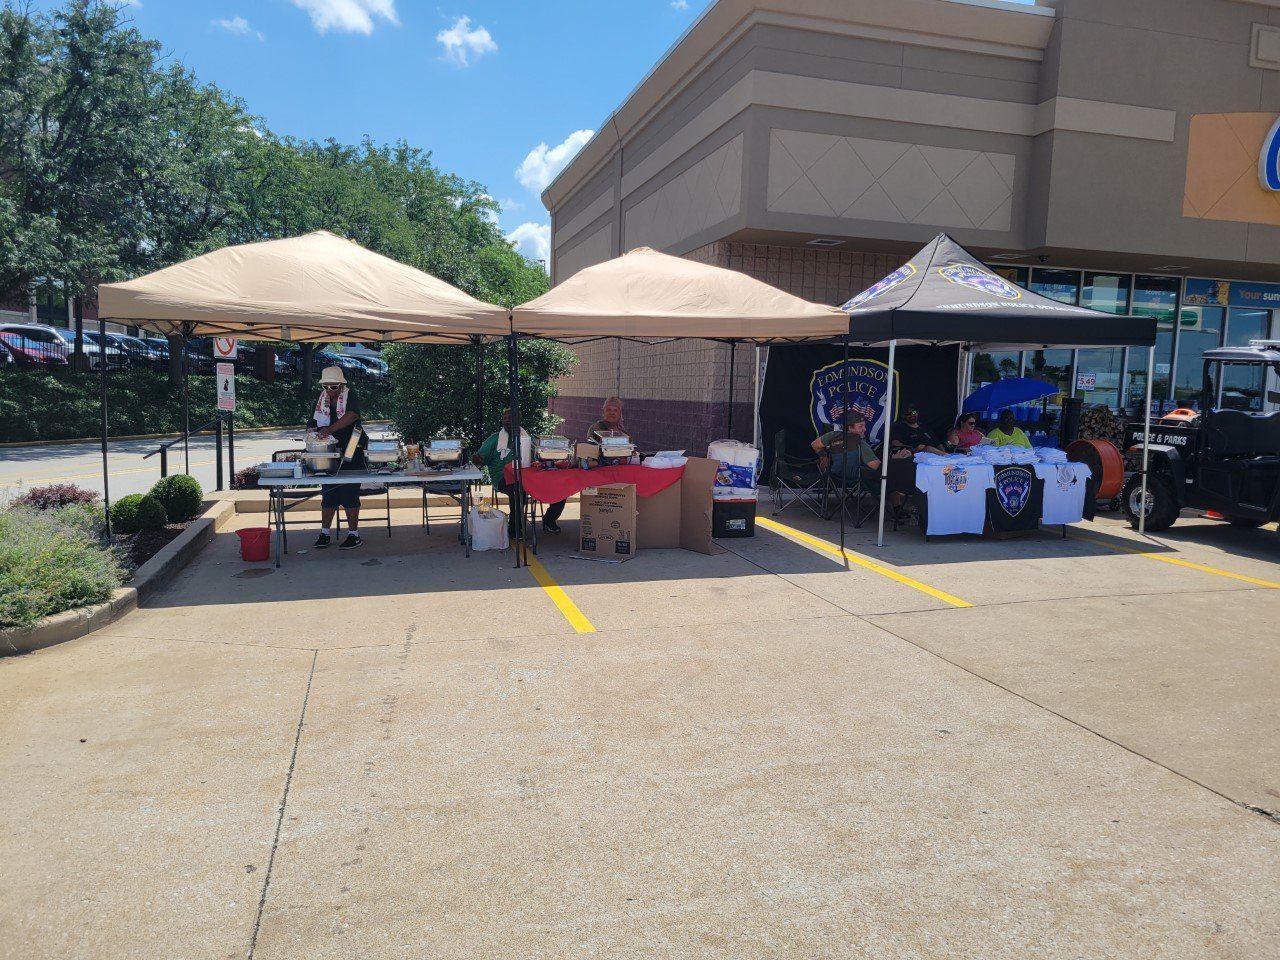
<point>944,295</point>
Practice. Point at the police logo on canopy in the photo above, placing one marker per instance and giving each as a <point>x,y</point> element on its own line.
<point>1269,160</point>
<point>970,275</point>
<point>879,289</point>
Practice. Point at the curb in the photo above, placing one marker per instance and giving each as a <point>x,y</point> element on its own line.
<point>147,579</point>
<point>8,444</point>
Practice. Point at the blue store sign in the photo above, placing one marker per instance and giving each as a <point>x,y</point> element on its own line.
<point>1232,293</point>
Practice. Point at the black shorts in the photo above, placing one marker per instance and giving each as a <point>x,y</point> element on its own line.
<point>340,495</point>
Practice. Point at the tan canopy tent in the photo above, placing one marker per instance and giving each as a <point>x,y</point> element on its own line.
<point>314,288</point>
<point>317,288</point>
<point>645,294</point>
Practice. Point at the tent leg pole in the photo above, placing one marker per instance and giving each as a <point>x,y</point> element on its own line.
<point>516,503</point>
<point>844,440</point>
<point>1146,443</point>
<point>186,407</point>
<point>479,431</point>
<point>106,492</point>
<point>966,377</point>
<point>733,353</point>
<point>889,413</point>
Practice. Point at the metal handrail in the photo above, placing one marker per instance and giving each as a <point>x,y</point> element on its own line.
<point>217,424</point>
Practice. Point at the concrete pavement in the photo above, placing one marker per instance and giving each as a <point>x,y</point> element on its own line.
<point>398,752</point>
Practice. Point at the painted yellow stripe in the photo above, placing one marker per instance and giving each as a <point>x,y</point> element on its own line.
<point>577,619</point>
<point>113,473</point>
<point>863,562</point>
<point>1177,562</point>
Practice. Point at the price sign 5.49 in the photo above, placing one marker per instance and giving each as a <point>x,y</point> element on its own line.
<point>227,386</point>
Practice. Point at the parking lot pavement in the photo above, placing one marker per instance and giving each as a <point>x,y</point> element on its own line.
<point>1035,748</point>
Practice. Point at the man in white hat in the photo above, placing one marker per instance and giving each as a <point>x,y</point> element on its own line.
<point>337,415</point>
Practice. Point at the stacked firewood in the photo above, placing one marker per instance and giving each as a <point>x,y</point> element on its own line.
<point>1101,423</point>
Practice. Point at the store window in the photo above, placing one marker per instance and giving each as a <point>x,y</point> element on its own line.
<point>1200,330</point>
<point>1153,297</point>
<point>1243,387</point>
<point>1054,366</point>
<point>1103,368</point>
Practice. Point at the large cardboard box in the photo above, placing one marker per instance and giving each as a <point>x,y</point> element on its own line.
<point>658,519</point>
<point>696,487</point>
<point>608,526</point>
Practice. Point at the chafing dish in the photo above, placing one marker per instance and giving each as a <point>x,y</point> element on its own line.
<point>443,453</point>
<point>320,462</point>
<point>284,469</point>
<point>382,452</point>
<point>552,451</point>
<point>616,447</point>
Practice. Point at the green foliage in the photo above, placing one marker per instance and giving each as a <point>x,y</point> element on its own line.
<point>38,406</point>
<point>433,388</point>
<point>137,512</point>
<point>180,495</point>
<point>51,561</point>
<point>117,163</point>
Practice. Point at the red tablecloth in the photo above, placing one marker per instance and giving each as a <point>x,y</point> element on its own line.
<point>552,486</point>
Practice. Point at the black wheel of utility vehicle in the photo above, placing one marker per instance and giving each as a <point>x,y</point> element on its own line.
<point>1162,501</point>
<point>1246,523</point>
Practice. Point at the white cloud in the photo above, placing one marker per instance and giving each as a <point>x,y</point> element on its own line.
<point>533,240</point>
<point>543,163</point>
<point>348,16</point>
<point>680,4</point>
<point>239,26</point>
<point>510,205</point>
<point>464,45</point>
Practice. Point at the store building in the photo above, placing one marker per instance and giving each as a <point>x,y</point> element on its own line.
<point>1119,155</point>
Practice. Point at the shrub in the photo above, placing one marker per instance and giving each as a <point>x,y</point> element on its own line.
<point>180,495</point>
<point>48,565</point>
<point>246,479</point>
<point>136,513</point>
<point>55,495</point>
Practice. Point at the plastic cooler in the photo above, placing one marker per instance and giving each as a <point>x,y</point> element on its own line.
<point>733,518</point>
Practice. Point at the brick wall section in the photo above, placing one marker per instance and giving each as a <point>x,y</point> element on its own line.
<point>676,394</point>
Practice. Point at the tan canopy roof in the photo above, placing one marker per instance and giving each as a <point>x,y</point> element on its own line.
<point>315,288</point>
<point>651,295</point>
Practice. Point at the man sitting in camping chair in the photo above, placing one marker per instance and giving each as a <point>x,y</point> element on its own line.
<point>850,457</point>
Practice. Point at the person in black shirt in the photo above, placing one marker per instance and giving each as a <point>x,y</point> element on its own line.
<point>337,415</point>
<point>909,437</point>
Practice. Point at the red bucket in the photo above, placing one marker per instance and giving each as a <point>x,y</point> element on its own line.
<point>255,543</point>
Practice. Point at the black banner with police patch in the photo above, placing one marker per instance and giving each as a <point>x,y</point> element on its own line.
<point>927,378</point>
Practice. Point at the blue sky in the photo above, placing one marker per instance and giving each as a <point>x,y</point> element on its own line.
<point>501,91</point>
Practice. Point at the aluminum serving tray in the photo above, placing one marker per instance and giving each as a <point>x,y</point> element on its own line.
<point>443,451</point>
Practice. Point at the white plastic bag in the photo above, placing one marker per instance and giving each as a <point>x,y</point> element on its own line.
<point>488,529</point>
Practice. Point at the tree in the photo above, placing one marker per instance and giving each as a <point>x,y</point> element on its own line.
<point>433,387</point>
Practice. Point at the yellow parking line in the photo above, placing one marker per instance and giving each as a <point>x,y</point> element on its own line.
<point>1150,555</point>
<point>866,564</point>
<point>577,619</point>
<point>113,473</point>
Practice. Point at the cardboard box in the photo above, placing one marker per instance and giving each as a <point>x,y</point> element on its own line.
<point>608,526</point>
<point>696,487</point>
<point>586,451</point>
<point>658,519</point>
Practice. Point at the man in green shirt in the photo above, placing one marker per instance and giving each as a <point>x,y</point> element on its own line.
<point>495,453</point>
<point>847,453</point>
<point>1007,434</point>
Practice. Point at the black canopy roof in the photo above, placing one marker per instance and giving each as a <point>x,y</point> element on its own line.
<point>944,294</point>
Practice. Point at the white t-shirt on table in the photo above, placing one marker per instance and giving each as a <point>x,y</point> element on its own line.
<point>1064,490</point>
<point>957,495</point>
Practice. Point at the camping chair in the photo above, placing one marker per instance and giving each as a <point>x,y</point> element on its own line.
<point>454,491</point>
<point>795,480</point>
<point>861,497</point>
<point>385,492</point>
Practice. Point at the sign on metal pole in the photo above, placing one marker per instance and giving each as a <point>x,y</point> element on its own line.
<point>227,386</point>
<point>224,348</point>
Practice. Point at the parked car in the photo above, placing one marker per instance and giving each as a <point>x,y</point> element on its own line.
<point>160,345</point>
<point>33,345</point>
<point>135,348</point>
<point>115,358</point>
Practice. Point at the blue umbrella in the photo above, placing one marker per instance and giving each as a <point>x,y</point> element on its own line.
<point>1007,393</point>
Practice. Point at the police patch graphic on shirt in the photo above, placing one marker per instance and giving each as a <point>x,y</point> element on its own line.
<point>968,275</point>
<point>955,478</point>
<point>1013,489</point>
<point>861,385</point>
<point>895,279</point>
